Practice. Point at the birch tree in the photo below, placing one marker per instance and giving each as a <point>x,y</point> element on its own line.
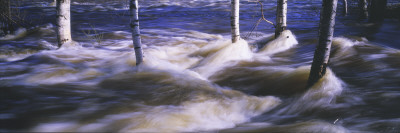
<point>137,43</point>
<point>6,24</point>
<point>63,22</point>
<point>321,54</point>
<point>345,7</point>
<point>235,20</point>
<point>362,5</point>
<point>281,11</point>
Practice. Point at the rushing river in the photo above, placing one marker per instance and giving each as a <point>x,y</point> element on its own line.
<point>193,78</point>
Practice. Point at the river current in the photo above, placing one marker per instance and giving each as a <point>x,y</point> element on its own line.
<point>193,78</point>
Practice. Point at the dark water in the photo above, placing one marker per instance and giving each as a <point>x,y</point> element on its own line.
<point>193,78</point>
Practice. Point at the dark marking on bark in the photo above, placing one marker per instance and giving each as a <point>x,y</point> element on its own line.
<point>64,40</point>
<point>134,25</point>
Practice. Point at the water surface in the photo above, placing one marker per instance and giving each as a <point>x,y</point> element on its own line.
<point>194,78</point>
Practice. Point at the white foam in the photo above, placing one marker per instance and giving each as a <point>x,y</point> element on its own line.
<point>21,32</point>
<point>228,52</point>
<point>284,42</point>
<point>55,127</point>
<point>205,115</point>
<point>342,48</point>
<point>72,45</point>
<point>211,114</point>
<point>321,94</point>
<point>99,8</point>
<point>309,127</point>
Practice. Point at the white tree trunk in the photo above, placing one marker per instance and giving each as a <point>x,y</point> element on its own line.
<point>322,52</point>
<point>362,4</point>
<point>345,7</point>
<point>137,43</point>
<point>281,11</point>
<point>235,20</point>
<point>63,22</point>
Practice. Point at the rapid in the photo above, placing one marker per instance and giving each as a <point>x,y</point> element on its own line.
<point>193,78</point>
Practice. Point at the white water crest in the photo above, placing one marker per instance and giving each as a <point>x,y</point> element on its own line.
<point>201,106</point>
<point>193,79</point>
<point>342,48</point>
<point>19,33</point>
<point>226,54</point>
<point>190,81</point>
<point>309,127</point>
<point>284,42</point>
<point>174,71</point>
<point>196,116</point>
<point>321,95</point>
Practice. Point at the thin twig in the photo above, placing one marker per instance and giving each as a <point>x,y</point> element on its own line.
<point>259,20</point>
<point>262,14</point>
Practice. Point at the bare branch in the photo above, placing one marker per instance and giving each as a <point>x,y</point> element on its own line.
<point>262,14</point>
<point>259,20</point>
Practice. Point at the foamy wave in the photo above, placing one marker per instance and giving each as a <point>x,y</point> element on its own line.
<point>197,105</point>
<point>321,94</point>
<point>191,116</point>
<point>228,52</point>
<point>284,42</point>
<point>21,32</point>
<point>342,48</point>
<point>205,115</point>
<point>306,127</point>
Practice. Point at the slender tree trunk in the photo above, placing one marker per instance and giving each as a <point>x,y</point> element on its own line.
<point>377,10</point>
<point>281,11</point>
<point>326,28</point>
<point>137,43</point>
<point>63,22</point>
<point>345,7</point>
<point>362,4</point>
<point>235,20</point>
<point>6,24</point>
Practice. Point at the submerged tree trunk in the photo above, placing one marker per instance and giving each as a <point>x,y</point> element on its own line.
<point>345,7</point>
<point>281,11</point>
<point>63,22</point>
<point>377,10</point>
<point>137,43</point>
<point>6,24</point>
<point>321,55</point>
<point>235,20</point>
<point>362,4</point>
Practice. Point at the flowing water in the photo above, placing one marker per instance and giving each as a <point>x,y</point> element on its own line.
<point>193,78</point>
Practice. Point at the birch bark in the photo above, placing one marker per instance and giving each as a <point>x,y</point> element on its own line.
<point>321,54</point>
<point>345,7</point>
<point>63,22</point>
<point>281,11</point>
<point>362,4</point>
<point>137,43</point>
<point>235,20</point>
